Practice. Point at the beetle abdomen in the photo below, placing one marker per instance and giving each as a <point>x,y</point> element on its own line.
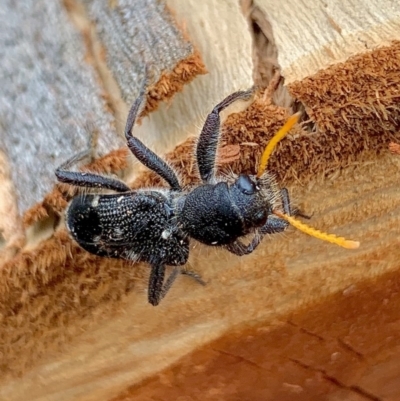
<point>131,226</point>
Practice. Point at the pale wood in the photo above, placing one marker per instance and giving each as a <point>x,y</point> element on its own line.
<point>50,97</point>
<point>11,228</point>
<point>219,31</point>
<point>286,272</point>
<point>119,349</point>
<point>313,35</point>
<point>228,60</point>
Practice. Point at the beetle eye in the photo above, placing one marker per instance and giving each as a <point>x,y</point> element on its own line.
<point>245,185</point>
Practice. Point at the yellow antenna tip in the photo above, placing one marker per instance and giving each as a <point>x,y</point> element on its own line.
<point>274,141</point>
<point>348,244</point>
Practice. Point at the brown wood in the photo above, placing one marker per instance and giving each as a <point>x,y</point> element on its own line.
<point>298,318</point>
<point>331,350</point>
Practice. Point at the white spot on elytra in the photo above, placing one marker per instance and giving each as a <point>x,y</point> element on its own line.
<point>165,234</point>
<point>117,234</point>
<point>95,201</point>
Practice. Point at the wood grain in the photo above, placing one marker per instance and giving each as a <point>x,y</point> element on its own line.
<point>77,327</point>
<point>311,36</point>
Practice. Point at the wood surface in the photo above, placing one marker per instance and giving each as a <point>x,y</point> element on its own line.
<point>298,319</point>
<point>313,35</point>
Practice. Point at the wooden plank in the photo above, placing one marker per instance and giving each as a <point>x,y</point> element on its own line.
<point>226,51</point>
<point>78,327</point>
<point>311,36</point>
<point>50,97</point>
<point>332,350</point>
<point>63,88</point>
<point>56,260</point>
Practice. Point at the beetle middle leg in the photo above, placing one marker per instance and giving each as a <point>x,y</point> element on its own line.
<point>142,152</point>
<point>194,275</point>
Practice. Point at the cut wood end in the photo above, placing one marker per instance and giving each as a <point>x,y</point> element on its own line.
<point>172,82</point>
<point>360,115</point>
<point>335,38</point>
<point>394,148</point>
<point>228,154</point>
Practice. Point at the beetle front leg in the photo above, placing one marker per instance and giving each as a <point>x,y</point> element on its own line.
<point>273,225</point>
<point>209,136</point>
<point>240,249</point>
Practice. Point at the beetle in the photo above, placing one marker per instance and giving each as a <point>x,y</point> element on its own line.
<point>156,225</point>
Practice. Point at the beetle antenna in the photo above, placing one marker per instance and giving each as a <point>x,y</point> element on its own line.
<point>274,141</point>
<point>348,244</point>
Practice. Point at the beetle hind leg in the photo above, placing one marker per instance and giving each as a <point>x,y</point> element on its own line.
<point>158,289</point>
